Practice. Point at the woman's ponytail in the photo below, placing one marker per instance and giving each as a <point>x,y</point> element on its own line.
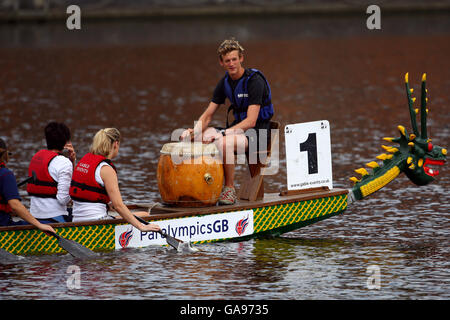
<point>104,140</point>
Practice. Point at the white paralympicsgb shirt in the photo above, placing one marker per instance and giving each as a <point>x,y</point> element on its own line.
<point>60,169</point>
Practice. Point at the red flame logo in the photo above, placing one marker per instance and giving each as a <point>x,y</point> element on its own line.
<point>125,237</point>
<point>241,225</point>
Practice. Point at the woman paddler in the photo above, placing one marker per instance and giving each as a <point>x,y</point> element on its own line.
<point>94,183</point>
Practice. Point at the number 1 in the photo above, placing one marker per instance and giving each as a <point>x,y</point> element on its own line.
<point>310,146</point>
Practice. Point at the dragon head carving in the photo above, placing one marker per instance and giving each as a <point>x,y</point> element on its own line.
<point>414,155</point>
<point>421,152</point>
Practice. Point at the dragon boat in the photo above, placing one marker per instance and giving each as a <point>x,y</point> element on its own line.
<point>256,214</point>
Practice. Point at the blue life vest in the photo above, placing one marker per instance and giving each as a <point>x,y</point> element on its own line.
<point>239,98</point>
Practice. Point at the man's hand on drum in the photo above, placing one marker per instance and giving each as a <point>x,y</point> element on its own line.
<point>187,135</point>
<point>210,135</point>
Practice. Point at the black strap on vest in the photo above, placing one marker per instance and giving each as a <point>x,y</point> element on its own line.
<point>84,186</point>
<point>231,107</point>
<point>44,183</point>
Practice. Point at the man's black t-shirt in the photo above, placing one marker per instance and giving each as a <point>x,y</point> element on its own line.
<point>256,86</point>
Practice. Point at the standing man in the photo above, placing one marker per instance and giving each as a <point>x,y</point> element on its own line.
<point>249,94</point>
<point>50,192</point>
<point>9,196</point>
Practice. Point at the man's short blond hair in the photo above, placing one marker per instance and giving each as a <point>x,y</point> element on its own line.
<point>229,45</point>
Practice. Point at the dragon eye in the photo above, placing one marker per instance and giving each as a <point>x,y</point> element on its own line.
<point>430,146</point>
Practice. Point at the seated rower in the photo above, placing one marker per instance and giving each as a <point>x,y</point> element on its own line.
<point>251,101</point>
<point>94,183</point>
<point>10,199</point>
<point>50,192</point>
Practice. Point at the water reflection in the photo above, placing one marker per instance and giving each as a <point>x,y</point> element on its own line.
<point>286,268</point>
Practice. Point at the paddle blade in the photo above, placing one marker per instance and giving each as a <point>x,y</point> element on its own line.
<point>179,245</point>
<point>7,257</point>
<point>187,247</point>
<point>74,248</point>
<point>171,241</point>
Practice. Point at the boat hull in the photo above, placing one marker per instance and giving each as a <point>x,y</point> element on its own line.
<point>271,216</point>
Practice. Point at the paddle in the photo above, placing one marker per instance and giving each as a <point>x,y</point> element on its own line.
<point>74,248</point>
<point>7,257</point>
<point>29,179</point>
<point>177,244</point>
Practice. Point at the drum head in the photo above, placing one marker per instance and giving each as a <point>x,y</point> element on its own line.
<point>188,149</point>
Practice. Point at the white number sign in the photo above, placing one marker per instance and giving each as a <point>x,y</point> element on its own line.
<point>308,155</point>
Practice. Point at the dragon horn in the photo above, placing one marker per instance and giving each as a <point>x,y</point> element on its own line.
<point>410,104</point>
<point>423,108</point>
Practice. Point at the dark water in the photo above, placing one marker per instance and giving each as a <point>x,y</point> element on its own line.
<point>149,78</point>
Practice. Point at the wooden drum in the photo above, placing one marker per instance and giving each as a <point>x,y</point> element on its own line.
<point>190,174</point>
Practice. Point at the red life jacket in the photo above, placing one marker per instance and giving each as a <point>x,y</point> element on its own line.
<point>84,187</point>
<point>44,186</point>
<point>4,206</point>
